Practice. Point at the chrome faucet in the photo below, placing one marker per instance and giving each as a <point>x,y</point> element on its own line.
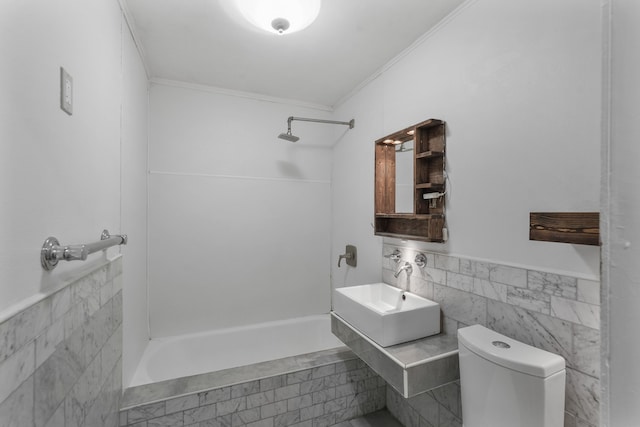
<point>407,266</point>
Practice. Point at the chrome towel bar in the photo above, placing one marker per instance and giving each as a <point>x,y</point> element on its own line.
<point>52,252</point>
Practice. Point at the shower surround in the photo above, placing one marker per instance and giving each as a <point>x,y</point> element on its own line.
<point>61,357</point>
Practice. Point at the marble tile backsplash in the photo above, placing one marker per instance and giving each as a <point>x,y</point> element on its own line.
<point>61,358</point>
<point>557,313</point>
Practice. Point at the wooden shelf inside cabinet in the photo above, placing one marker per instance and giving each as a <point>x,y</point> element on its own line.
<point>426,222</point>
<point>426,228</point>
<point>430,186</point>
<point>409,216</point>
<point>581,228</point>
<point>429,154</point>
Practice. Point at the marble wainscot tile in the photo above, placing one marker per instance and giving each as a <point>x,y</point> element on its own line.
<point>426,406</point>
<point>145,412</point>
<point>433,275</point>
<point>448,396</point>
<point>47,342</point>
<point>553,284</point>
<point>214,396</point>
<point>421,287</point>
<point>60,303</point>
<point>260,399</point>
<point>53,380</point>
<point>111,354</point>
<point>240,390</point>
<point>589,291</point>
<point>55,374</point>
<point>475,268</point>
<point>450,326</point>
<point>586,350</point>
<point>17,409</point>
<point>571,421</point>
<point>58,418</point>
<point>508,275</point>
<point>493,290</point>
<point>448,263</point>
<point>576,311</point>
<point>461,306</point>
<point>531,300</point>
<point>460,281</point>
<point>83,394</point>
<point>200,413</point>
<point>477,286</point>
<point>22,328</point>
<point>7,339</point>
<point>447,419</point>
<point>401,409</point>
<point>538,330</point>
<point>16,369</point>
<point>582,397</point>
<point>246,417</point>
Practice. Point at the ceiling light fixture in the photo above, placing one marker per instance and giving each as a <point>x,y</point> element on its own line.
<point>279,16</point>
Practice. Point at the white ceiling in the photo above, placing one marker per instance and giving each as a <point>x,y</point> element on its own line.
<point>204,42</point>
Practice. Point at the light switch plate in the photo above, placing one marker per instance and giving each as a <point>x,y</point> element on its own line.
<point>66,91</point>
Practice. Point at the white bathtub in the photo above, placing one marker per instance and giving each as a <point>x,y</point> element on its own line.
<point>192,354</point>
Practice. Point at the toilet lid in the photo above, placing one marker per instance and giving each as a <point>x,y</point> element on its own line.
<point>510,353</point>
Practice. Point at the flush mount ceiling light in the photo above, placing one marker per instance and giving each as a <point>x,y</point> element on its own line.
<point>279,16</point>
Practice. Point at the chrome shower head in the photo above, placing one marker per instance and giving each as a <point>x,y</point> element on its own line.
<point>292,138</point>
<point>288,136</point>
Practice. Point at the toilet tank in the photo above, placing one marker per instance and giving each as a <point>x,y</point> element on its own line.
<point>506,383</point>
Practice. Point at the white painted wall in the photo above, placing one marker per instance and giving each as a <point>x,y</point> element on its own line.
<point>518,84</point>
<point>133,157</point>
<point>622,278</point>
<point>238,219</point>
<point>61,175</point>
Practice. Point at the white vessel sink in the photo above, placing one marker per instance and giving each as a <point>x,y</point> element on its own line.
<point>386,314</point>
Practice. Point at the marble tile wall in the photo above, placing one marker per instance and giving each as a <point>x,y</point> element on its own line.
<point>61,358</point>
<point>557,313</point>
<point>440,407</point>
<point>318,397</point>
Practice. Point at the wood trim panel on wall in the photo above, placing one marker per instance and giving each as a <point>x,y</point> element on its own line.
<point>581,228</point>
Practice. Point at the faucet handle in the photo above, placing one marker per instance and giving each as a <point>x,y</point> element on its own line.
<point>351,255</point>
<point>420,260</point>
<point>395,255</point>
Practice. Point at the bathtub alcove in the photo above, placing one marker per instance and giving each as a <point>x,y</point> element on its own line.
<point>277,373</point>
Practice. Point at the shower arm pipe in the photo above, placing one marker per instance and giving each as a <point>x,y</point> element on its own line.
<point>350,123</point>
<point>52,251</point>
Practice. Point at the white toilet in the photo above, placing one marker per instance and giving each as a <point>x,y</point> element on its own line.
<point>505,383</point>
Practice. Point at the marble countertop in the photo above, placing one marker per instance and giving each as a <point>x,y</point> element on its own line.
<point>416,352</point>
<point>412,367</point>
<point>423,350</point>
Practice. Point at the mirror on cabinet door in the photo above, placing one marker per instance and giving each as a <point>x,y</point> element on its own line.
<point>404,177</point>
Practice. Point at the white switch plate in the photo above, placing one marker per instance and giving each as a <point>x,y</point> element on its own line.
<point>66,91</point>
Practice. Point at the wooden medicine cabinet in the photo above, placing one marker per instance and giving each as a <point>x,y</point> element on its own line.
<point>410,183</point>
